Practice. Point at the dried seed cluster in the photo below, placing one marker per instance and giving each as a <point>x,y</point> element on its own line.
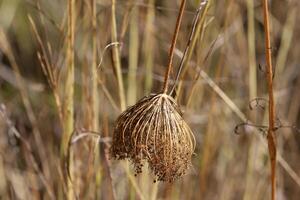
<point>154,131</point>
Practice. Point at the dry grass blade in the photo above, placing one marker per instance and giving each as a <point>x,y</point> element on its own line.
<point>153,130</point>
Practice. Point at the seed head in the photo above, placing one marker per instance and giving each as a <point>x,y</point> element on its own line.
<point>154,131</point>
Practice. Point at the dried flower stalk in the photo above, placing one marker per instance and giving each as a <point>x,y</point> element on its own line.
<point>154,131</point>
<point>271,136</point>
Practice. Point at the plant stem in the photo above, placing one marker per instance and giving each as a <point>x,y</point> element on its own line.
<point>196,35</point>
<point>116,56</point>
<point>94,75</point>
<point>171,53</point>
<point>191,36</point>
<point>69,92</point>
<point>133,56</point>
<point>252,153</point>
<point>270,136</point>
<point>149,45</point>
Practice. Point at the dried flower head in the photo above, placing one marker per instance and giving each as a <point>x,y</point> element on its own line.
<point>154,131</point>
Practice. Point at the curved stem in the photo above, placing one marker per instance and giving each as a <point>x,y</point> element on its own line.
<point>174,39</point>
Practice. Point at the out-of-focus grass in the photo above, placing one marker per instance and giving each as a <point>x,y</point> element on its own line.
<point>225,165</point>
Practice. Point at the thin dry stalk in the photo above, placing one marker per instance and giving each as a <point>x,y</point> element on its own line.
<point>271,136</point>
<point>69,92</point>
<point>173,44</point>
<point>94,74</point>
<point>133,56</point>
<point>149,46</point>
<point>252,153</point>
<point>191,39</point>
<point>94,98</point>
<point>200,24</point>
<point>116,56</point>
<point>49,70</point>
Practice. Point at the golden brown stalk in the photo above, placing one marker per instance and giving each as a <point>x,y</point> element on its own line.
<point>191,38</point>
<point>69,92</point>
<point>205,6</point>
<point>171,53</point>
<point>94,74</point>
<point>116,56</point>
<point>69,87</point>
<point>271,136</point>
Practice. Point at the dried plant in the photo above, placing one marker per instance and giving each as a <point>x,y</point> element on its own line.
<point>154,131</point>
<point>271,135</point>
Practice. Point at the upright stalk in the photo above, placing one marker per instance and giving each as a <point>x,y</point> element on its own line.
<point>69,91</point>
<point>205,4</point>
<point>116,55</point>
<point>94,74</point>
<point>133,56</point>
<point>149,45</point>
<point>250,181</point>
<point>171,53</point>
<point>94,102</point>
<point>69,87</point>
<point>271,136</point>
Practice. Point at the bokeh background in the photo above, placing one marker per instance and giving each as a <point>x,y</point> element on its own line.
<point>225,72</point>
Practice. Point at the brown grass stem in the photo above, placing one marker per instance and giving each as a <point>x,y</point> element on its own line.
<point>172,48</point>
<point>271,135</point>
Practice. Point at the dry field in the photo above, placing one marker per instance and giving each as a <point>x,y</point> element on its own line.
<point>210,90</point>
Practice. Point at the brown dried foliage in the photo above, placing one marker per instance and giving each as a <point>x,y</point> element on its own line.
<point>154,131</point>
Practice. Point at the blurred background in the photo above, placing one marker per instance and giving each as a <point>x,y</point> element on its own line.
<point>120,55</point>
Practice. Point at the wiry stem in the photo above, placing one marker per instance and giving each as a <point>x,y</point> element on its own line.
<point>270,136</point>
<point>191,36</point>
<point>198,32</point>
<point>171,53</point>
<point>69,91</point>
<point>116,56</point>
<point>94,75</point>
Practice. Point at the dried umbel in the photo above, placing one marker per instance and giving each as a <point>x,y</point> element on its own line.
<point>154,131</point>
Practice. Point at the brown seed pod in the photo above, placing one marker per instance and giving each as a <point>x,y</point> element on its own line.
<point>154,131</point>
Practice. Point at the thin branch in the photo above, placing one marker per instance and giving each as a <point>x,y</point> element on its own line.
<point>195,21</point>
<point>171,53</point>
<point>271,135</point>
